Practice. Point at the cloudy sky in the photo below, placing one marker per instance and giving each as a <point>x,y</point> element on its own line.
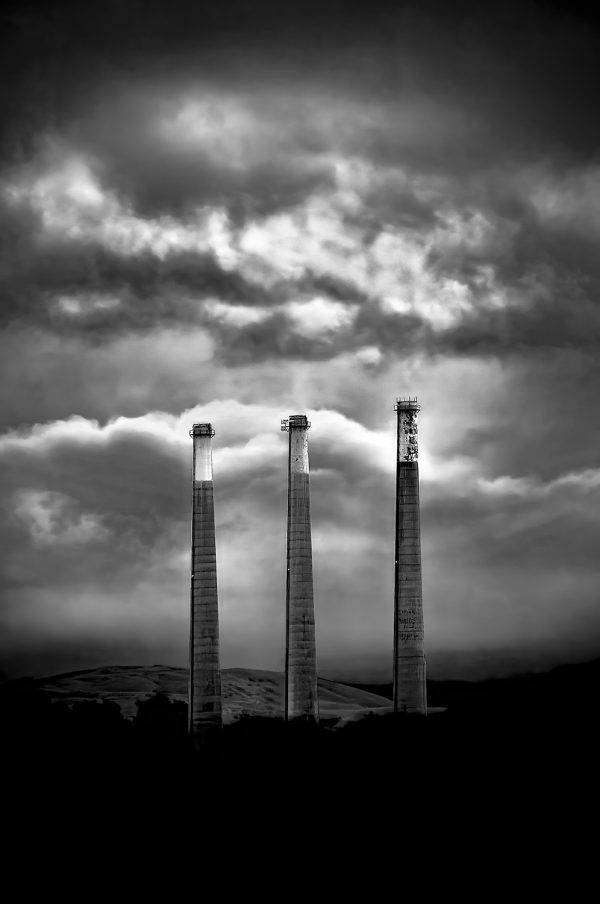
<point>239,211</point>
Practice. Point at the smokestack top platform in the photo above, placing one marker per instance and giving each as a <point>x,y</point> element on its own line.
<point>202,430</point>
<point>408,404</point>
<point>295,420</point>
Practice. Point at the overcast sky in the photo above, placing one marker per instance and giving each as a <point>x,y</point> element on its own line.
<point>238,211</point>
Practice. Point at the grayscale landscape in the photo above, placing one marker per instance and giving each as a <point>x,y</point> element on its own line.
<point>248,692</point>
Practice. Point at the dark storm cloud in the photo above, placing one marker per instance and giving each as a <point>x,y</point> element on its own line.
<point>528,549</point>
<point>547,273</point>
<point>149,290</point>
<point>535,425</point>
<point>446,89</point>
<point>73,490</point>
<point>531,246</point>
<point>84,552</point>
<point>495,61</point>
<point>244,152</point>
<point>182,107</point>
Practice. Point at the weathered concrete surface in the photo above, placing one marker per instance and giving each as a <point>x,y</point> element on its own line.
<point>410,693</point>
<point>205,706</point>
<point>301,700</point>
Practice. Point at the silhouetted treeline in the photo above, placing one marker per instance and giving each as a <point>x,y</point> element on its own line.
<point>454,788</point>
<point>505,750</point>
<point>516,733</point>
<point>88,732</point>
<point>566,687</point>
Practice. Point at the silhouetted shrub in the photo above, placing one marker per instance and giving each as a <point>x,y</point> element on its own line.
<point>160,719</point>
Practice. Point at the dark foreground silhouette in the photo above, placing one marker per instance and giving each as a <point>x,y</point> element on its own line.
<point>491,784</point>
<point>532,740</point>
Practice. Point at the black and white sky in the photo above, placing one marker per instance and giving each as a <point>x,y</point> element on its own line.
<point>238,211</point>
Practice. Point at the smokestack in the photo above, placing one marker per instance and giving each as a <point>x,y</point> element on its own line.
<point>205,677</point>
<point>301,701</point>
<point>410,692</point>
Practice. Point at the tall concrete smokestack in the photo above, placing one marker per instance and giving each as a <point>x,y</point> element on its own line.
<point>301,701</point>
<point>204,705</point>
<point>410,692</point>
